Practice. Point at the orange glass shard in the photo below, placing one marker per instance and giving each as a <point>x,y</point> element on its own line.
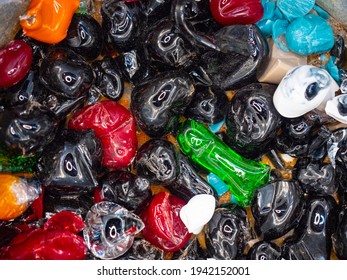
<point>48,20</point>
<point>16,195</point>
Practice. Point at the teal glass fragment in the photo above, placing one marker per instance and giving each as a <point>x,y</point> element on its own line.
<point>268,19</point>
<point>310,34</point>
<point>265,26</point>
<point>220,187</point>
<point>323,57</point>
<point>278,14</point>
<point>333,70</point>
<point>279,33</point>
<point>293,9</point>
<point>234,200</point>
<point>217,184</point>
<point>217,126</point>
<point>269,9</point>
<point>321,12</point>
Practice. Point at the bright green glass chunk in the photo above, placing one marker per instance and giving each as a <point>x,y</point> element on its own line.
<point>241,175</point>
<point>15,164</point>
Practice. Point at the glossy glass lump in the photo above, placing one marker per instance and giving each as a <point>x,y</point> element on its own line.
<point>110,229</point>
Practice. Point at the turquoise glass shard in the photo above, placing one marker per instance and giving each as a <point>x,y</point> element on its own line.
<point>220,187</point>
<point>321,12</point>
<point>216,127</point>
<point>333,69</point>
<point>265,26</point>
<point>278,14</point>
<point>269,9</point>
<point>217,184</point>
<point>241,175</point>
<point>279,33</point>
<point>310,34</point>
<point>293,9</point>
<point>268,19</point>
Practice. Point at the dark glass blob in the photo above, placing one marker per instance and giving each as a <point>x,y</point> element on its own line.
<point>339,51</point>
<point>209,105</point>
<point>85,36</point>
<point>312,238</point>
<point>71,163</point>
<point>156,10</point>
<point>195,11</point>
<point>7,233</point>
<point>277,208</point>
<point>27,130</point>
<point>337,152</point>
<point>242,48</point>
<point>62,106</point>
<point>227,233</point>
<point>168,47</point>
<point>158,103</point>
<point>341,183</point>
<point>157,160</point>
<point>337,148</point>
<point>315,177</point>
<point>30,91</point>
<point>109,80</point>
<point>341,157</point>
<point>193,251</point>
<point>27,90</point>
<point>189,183</point>
<point>342,106</point>
<point>199,74</point>
<point>66,73</point>
<point>126,189</point>
<point>194,19</point>
<point>297,134</point>
<point>143,250</point>
<point>317,148</point>
<point>252,121</point>
<point>39,48</point>
<point>339,238</point>
<point>135,65</point>
<point>124,23</point>
<point>55,202</point>
<point>264,250</point>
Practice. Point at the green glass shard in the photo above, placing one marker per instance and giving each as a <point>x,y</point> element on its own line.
<point>241,175</point>
<point>16,164</point>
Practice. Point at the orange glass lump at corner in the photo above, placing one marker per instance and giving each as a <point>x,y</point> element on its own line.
<point>48,20</point>
<point>16,195</point>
